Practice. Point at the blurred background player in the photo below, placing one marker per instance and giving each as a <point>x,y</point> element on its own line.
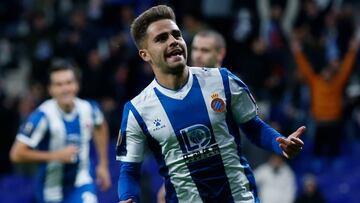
<point>57,135</point>
<point>208,49</point>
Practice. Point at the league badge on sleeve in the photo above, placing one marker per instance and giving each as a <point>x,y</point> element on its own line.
<point>217,104</point>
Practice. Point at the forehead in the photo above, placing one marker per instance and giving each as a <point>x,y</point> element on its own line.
<point>62,75</point>
<point>204,41</point>
<point>161,26</point>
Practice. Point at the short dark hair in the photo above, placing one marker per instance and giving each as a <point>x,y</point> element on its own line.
<point>61,65</point>
<point>142,22</point>
<point>219,39</point>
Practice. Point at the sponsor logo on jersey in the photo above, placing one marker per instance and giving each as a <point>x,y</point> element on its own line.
<point>158,125</point>
<point>217,104</point>
<point>197,140</point>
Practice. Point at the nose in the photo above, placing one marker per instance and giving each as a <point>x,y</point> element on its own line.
<point>173,41</point>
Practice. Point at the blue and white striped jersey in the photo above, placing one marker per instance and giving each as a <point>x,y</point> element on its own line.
<point>49,128</point>
<point>194,135</point>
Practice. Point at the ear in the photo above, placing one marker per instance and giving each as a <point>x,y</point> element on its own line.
<point>221,55</point>
<point>144,55</point>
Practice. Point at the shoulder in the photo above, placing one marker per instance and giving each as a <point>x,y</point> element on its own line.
<point>146,96</point>
<point>47,107</point>
<point>204,72</point>
<point>81,103</point>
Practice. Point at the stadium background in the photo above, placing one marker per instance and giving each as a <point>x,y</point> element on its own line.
<point>94,34</point>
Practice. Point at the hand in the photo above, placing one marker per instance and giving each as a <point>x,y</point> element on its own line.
<point>295,45</point>
<point>67,154</point>
<point>103,177</point>
<point>161,194</point>
<point>127,201</point>
<point>292,145</point>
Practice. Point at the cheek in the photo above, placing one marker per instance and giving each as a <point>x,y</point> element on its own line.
<point>75,88</point>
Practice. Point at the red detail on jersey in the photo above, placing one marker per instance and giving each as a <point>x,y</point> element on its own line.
<point>218,105</point>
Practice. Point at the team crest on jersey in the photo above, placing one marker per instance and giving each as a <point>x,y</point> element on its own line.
<point>217,104</point>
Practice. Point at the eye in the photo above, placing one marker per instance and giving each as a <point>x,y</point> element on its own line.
<point>176,34</point>
<point>161,38</point>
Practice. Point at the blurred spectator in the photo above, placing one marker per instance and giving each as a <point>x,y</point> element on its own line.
<point>275,181</point>
<point>277,16</point>
<point>40,41</point>
<point>327,91</point>
<point>311,192</point>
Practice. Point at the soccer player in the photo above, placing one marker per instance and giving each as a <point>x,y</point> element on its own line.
<point>208,49</point>
<point>57,136</point>
<point>189,118</point>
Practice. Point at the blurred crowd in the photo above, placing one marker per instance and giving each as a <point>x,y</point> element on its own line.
<point>94,34</point>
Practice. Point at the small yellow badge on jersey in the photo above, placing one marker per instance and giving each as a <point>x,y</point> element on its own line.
<point>217,104</point>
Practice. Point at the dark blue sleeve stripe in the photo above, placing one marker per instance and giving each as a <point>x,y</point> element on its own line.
<point>224,75</point>
<point>125,118</point>
<point>121,149</point>
<point>129,181</point>
<point>139,119</point>
<point>32,123</point>
<point>234,130</point>
<point>241,84</point>
<point>262,134</point>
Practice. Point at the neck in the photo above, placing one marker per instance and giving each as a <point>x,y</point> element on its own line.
<point>67,108</point>
<point>173,81</point>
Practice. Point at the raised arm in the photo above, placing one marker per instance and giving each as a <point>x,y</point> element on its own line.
<point>349,60</point>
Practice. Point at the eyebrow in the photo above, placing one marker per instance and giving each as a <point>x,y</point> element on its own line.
<point>161,35</point>
<point>164,34</point>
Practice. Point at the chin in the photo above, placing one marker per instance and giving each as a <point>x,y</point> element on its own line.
<point>178,68</point>
<point>67,101</point>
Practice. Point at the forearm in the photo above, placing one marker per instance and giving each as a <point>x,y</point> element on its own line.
<point>262,134</point>
<point>101,139</point>
<point>129,181</point>
<point>22,154</point>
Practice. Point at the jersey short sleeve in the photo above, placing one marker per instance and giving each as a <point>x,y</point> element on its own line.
<point>131,140</point>
<point>96,113</point>
<point>33,130</point>
<point>243,104</point>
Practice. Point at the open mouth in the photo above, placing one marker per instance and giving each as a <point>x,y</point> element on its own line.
<point>174,53</point>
